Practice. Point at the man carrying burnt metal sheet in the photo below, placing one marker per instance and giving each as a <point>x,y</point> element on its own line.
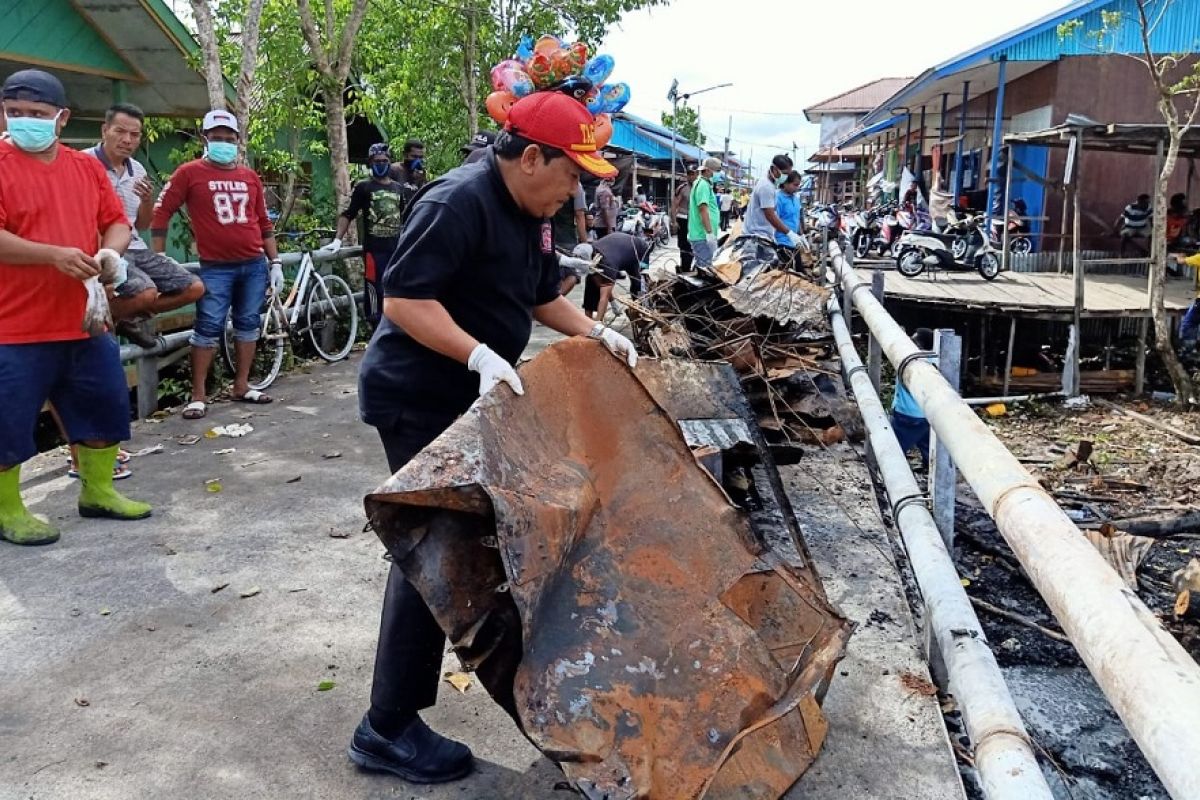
<point>474,266</point>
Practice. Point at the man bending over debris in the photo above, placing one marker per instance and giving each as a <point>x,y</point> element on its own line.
<point>57,209</point>
<point>474,266</point>
<point>1190,324</point>
<point>908,420</point>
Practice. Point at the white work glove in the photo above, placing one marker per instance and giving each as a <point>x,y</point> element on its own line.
<point>794,238</point>
<point>617,344</point>
<point>711,238</point>
<point>579,266</point>
<point>584,251</point>
<point>332,247</point>
<point>112,267</point>
<point>276,277</point>
<point>492,370</point>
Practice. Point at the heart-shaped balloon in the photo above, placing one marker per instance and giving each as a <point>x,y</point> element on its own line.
<point>502,74</point>
<point>540,70</point>
<point>546,45</point>
<point>560,65</point>
<point>578,54</point>
<point>598,69</point>
<point>615,96</point>
<point>604,129</point>
<point>499,104</point>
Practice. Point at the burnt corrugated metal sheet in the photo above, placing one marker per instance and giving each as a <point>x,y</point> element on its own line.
<point>611,597</point>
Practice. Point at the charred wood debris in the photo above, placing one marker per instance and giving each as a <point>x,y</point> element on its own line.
<point>768,320</point>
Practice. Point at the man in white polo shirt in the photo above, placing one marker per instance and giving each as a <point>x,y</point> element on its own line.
<point>156,282</point>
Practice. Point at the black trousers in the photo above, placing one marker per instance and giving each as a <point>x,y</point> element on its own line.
<point>408,659</point>
<point>685,247</point>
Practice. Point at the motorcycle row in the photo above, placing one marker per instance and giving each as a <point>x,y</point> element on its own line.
<point>907,233</point>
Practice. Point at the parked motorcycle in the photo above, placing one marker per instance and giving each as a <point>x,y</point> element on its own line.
<point>920,250</point>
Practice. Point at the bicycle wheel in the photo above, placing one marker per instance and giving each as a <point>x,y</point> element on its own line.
<point>332,317</point>
<point>268,352</point>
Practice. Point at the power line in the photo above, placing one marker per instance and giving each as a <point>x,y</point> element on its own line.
<point>757,113</point>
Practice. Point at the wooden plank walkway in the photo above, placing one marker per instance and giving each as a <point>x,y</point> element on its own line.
<point>1040,293</point>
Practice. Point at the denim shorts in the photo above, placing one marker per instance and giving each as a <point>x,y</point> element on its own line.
<point>82,378</point>
<point>240,286</point>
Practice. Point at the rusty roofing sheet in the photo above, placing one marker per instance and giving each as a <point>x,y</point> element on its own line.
<point>607,590</point>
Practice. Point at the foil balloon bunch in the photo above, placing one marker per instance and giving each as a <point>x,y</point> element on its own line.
<point>552,65</point>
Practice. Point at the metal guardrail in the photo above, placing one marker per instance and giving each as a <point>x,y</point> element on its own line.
<point>147,359</point>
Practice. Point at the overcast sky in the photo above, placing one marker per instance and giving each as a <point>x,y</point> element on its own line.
<point>781,57</point>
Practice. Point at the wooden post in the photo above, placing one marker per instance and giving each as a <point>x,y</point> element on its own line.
<point>147,387</point>
<point>942,474</point>
<point>1077,264</point>
<point>1139,380</point>
<point>874,351</point>
<point>1008,354</point>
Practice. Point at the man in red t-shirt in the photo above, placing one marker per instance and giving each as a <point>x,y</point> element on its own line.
<point>57,209</point>
<point>229,220</point>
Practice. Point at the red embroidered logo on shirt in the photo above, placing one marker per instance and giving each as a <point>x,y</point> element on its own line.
<point>547,238</point>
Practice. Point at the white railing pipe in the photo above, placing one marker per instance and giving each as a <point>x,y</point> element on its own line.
<point>1147,676</point>
<point>1004,756</point>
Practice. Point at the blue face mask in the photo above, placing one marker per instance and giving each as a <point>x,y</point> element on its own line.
<point>33,135</point>
<point>222,152</point>
<point>380,170</point>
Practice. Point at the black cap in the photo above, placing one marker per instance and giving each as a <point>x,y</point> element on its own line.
<point>480,140</point>
<point>36,86</point>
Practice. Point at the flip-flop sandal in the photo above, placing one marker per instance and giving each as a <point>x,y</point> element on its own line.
<point>194,410</point>
<point>254,397</point>
<point>120,472</point>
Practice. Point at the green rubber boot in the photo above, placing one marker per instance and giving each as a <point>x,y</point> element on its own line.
<point>97,497</point>
<point>17,525</point>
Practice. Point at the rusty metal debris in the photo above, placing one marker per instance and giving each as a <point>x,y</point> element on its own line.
<point>654,626</point>
<point>769,323</point>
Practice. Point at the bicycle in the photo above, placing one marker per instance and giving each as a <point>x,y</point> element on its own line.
<point>330,320</point>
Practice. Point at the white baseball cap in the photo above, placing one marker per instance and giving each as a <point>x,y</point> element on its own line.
<point>219,118</point>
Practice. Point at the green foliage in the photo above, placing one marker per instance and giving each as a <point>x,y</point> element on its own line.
<point>688,128</point>
<point>408,77</point>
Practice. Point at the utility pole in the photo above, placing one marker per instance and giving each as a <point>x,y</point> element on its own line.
<point>673,95</point>
<point>728,136</point>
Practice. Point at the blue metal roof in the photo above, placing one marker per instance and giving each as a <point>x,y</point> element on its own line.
<point>649,140</point>
<point>1178,32</point>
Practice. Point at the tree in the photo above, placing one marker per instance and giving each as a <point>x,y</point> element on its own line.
<point>1177,95</point>
<point>210,47</point>
<point>332,55</point>
<point>688,124</point>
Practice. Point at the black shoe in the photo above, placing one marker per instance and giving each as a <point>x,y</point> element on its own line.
<point>418,754</point>
<point>134,333</point>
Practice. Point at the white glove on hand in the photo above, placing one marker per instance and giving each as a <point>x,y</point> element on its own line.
<point>581,267</point>
<point>492,370</point>
<point>276,277</point>
<point>583,251</point>
<point>111,266</point>
<point>332,247</point>
<point>794,238</point>
<point>617,344</point>
<point>711,238</point>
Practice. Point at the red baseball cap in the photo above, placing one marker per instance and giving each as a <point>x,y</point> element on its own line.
<point>555,120</point>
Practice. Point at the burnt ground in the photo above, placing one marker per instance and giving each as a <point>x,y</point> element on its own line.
<point>1134,470</point>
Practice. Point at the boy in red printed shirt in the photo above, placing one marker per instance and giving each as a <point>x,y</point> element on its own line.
<point>229,220</point>
<point>57,209</point>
